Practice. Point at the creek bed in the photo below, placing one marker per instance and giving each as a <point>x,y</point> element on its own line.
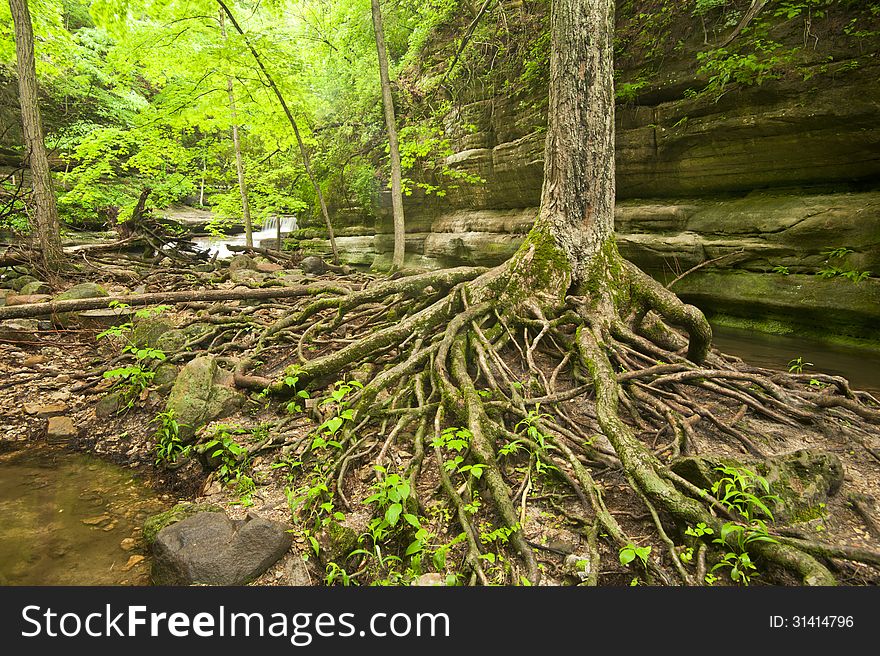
<point>72,519</point>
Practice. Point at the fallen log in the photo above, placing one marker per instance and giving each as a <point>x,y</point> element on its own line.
<point>168,298</point>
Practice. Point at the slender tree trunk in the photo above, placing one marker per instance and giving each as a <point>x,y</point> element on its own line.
<point>239,164</point>
<point>393,147</point>
<point>45,210</point>
<point>577,199</point>
<point>302,147</point>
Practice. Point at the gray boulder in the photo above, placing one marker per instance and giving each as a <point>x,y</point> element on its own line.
<point>209,548</point>
<point>313,265</point>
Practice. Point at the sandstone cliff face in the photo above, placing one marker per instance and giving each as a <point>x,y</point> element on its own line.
<point>772,175</point>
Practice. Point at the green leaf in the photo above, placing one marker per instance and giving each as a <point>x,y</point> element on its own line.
<point>393,513</point>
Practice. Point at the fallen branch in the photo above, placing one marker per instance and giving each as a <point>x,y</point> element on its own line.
<point>167,298</point>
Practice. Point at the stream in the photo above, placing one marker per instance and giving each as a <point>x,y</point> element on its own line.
<point>861,366</point>
<point>72,519</point>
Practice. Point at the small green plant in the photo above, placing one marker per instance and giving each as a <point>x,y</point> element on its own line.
<point>742,569</point>
<point>782,270</point>
<point>326,433</point>
<point>699,530</point>
<point>390,494</point>
<point>294,406</point>
<point>630,552</point>
<point>169,447</point>
<point>796,366</point>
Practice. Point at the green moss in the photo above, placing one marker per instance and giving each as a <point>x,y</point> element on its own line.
<point>178,513</point>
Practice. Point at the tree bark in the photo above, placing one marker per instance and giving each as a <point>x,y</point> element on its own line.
<point>302,147</point>
<point>577,198</point>
<point>393,146</point>
<point>236,144</point>
<point>45,210</point>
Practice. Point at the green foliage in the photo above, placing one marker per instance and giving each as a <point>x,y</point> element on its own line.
<point>326,434</point>
<point>748,494</point>
<point>744,491</point>
<point>169,447</point>
<point>132,381</point>
<point>724,67</point>
<point>631,551</point>
<point>796,366</point>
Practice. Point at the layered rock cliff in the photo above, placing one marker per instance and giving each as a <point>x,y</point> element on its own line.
<point>765,154</point>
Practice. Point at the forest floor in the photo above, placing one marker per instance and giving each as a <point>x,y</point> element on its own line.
<point>60,371</point>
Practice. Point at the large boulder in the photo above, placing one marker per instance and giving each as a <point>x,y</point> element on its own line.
<point>201,393</point>
<point>803,480</point>
<point>209,548</point>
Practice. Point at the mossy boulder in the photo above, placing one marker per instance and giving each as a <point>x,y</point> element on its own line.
<point>147,332</point>
<point>201,393</point>
<point>109,405</point>
<point>81,291</point>
<point>164,376</point>
<point>803,480</point>
<point>36,287</point>
<point>23,281</point>
<point>181,511</point>
<point>336,542</point>
<point>242,262</point>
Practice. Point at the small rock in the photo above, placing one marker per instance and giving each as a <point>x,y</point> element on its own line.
<point>47,410</point>
<point>240,262</point>
<point>134,560</point>
<point>430,580</point>
<point>60,429</point>
<point>83,290</point>
<point>268,267</point>
<point>22,281</point>
<point>34,360</point>
<point>96,521</point>
<point>313,265</point>
<point>18,330</point>
<point>128,544</point>
<point>212,549</point>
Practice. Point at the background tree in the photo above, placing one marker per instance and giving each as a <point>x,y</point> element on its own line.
<point>45,211</point>
<point>393,147</point>
<point>239,164</point>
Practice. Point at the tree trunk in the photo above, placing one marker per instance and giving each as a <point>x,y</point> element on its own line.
<point>302,147</point>
<point>239,164</point>
<point>45,210</point>
<point>393,147</point>
<point>577,199</point>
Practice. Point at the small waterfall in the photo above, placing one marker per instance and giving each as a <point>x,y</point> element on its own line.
<point>269,230</point>
<point>270,226</point>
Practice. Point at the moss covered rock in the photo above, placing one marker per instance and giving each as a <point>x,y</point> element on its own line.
<point>336,542</point>
<point>201,393</point>
<point>181,511</point>
<point>82,290</point>
<point>803,480</point>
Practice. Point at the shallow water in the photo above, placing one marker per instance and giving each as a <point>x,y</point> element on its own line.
<point>860,366</point>
<point>64,516</point>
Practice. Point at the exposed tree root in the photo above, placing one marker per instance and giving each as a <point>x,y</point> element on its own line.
<point>459,349</point>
